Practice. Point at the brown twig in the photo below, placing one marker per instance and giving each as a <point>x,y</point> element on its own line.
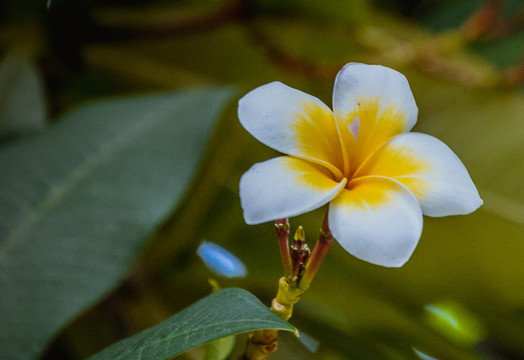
<point>482,21</point>
<point>205,21</point>
<point>509,26</point>
<point>288,62</point>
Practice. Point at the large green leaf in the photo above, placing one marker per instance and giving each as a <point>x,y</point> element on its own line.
<point>226,312</point>
<point>78,201</point>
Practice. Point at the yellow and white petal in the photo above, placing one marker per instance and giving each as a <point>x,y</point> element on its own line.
<point>284,187</point>
<point>292,122</point>
<point>380,99</point>
<point>377,220</point>
<point>430,170</point>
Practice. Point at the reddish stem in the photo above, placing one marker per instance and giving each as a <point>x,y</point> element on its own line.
<point>325,240</point>
<point>282,232</point>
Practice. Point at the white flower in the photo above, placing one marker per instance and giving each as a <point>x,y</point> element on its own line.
<point>378,178</point>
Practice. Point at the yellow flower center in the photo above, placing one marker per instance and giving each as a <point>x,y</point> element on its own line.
<point>350,146</point>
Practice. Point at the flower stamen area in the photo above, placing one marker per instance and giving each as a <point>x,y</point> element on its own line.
<point>370,192</point>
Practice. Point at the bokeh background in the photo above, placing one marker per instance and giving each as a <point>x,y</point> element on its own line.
<point>461,296</point>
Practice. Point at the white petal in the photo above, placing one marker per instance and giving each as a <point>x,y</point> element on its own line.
<point>382,101</point>
<point>292,122</point>
<point>284,187</point>
<point>377,220</point>
<point>430,170</point>
<point>356,81</point>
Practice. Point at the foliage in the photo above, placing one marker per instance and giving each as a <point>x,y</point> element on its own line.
<point>79,200</point>
<point>239,312</point>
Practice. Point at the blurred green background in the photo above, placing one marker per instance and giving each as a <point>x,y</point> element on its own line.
<point>465,63</point>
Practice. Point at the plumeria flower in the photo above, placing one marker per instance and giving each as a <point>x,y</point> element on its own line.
<point>378,178</point>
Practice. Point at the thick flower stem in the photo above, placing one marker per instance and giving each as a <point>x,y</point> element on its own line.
<point>262,343</point>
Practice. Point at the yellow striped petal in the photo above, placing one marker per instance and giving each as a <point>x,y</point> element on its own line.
<point>380,99</point>
<point>377,220</point>
<point>432,172</point>
<point>284,187</point>
<point>294,123</point>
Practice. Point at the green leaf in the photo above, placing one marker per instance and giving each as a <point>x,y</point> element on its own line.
<point>78,201</point>
<point>22,101</point>
<point>226,312</point>
<point>219,349</point>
